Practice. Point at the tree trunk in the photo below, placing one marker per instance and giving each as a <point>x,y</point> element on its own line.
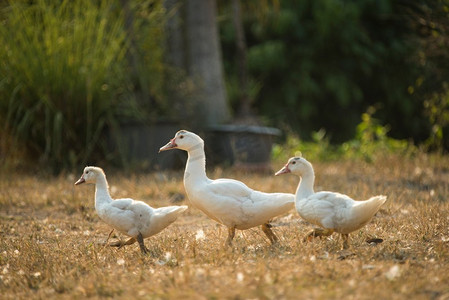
<point>242,69</point>
<point>194,46</point>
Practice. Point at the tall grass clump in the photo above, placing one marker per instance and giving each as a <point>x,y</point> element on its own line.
<point>64,77</point>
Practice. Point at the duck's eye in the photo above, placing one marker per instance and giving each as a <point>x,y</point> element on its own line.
<point>293,162</point>
<point>181,136</point>
<point>87,172</point>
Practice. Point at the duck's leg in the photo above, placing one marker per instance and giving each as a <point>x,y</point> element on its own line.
<point>266,228</point>
<point>143,249</point>
<point>121,243</point>
<point>231,234</point>
<point>110,233</point>
<point>345,241</point>
<point>318,232</point>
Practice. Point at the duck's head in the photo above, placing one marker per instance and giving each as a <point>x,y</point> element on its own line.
<point>296,165</point>
<point>184,140</point>
<point>90,175</point>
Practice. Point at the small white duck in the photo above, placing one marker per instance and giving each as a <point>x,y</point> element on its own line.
<point>227,201</point>
<point>332,211</point>
<point>133,218</point>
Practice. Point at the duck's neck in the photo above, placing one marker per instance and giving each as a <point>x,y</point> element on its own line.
<point>305,186</point>
<point>196,164</point>
<point>102,195</point>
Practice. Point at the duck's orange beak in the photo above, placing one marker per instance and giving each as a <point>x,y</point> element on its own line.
<point>81,180</point>
<point>170,145</point>
<point>284,170</point>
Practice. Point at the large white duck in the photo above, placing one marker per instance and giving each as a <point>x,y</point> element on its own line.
<point>227,201</point>
<point>133,218</point>
<point>333,212</point>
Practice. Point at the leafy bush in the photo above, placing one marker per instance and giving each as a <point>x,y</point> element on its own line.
<point>317,149</point>
<point>370,142</point>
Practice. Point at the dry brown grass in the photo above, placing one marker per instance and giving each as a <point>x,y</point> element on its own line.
<point>51,240</point>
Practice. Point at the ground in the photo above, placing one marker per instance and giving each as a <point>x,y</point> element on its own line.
<point>52,240</point>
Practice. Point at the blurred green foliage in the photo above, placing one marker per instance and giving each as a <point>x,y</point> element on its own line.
<point>64,76</point>
<point>72,71</point>
<point>321,64</point>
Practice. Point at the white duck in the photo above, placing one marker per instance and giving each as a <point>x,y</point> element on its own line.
<point>227,201</point>
<point>332,211</point>
<point>133,218</point>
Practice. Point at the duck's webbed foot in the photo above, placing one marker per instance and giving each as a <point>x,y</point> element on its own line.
<point>121,243</point>
<point>266,228</point>
<point>231,234</point>
<point>317,232</point>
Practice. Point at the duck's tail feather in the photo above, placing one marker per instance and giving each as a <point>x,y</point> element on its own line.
<point>370,207</point>
<point>171,212</point>
<point>178,209</point>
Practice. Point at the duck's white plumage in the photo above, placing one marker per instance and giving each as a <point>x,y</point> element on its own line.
<point>233,204</point>
<point>330,210</point>
<point>131,217</point>
<point>227,201</point>
<point>337,211</point>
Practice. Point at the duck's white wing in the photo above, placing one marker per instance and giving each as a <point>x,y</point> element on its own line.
<point>325,209</point>
<point>135,206</point>
<point>127,215</point>
<point>242,193</point>
<point>123,203</point>
<point>221,199</point>
<point>266,206</point>
<point>230,188</point>
<point>233,203</point>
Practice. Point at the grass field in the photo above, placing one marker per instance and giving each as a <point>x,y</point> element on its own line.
<point>51,240</point>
